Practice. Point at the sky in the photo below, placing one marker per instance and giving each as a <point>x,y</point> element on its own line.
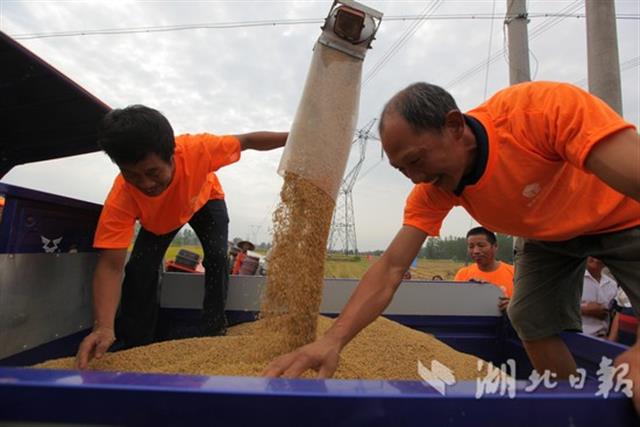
<point>250,78</point>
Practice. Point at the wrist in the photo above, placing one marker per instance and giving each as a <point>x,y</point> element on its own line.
<point>104,326</point>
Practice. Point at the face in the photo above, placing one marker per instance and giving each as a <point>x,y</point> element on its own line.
<point>481,251</point>
<point>424,157</point>
<point>151,175</point>
<point>594,265</point>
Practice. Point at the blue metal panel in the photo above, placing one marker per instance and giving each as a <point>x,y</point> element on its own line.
<point>36,222</point>
<point>152,399</point>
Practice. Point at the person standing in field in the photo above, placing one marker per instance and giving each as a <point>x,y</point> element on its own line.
<point>598,293</point>
<point>164,183</point>
<point>482,247</point>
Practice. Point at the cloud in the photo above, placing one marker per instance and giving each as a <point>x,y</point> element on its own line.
<point>247,79</point>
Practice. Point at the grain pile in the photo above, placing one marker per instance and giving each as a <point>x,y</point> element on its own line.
<point>296,264</point>
<point>383,350</point>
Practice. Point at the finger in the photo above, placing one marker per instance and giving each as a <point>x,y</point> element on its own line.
<point>102,347</point>
<point>84,353</point>
<point>276,368</point>
<point>297,368</point>
<point>327,370</point>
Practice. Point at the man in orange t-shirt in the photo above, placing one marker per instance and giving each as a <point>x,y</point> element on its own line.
<point>482,246</point>
<point>541,160</point>
<point>164,183</point>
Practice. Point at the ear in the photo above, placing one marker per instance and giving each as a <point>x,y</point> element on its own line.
<point>454,123</point>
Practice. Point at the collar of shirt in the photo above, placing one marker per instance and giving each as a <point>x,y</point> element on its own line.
<point>482,154</point>
<point>604,279</point>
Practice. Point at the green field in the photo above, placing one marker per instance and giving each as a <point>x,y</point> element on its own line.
<point>354,267</point>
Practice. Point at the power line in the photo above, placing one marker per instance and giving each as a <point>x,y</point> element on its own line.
<point>537,31</point>
<point>486,74</point>
<point>624,66</point>
<point>281,22</point>
<point>395,47</point>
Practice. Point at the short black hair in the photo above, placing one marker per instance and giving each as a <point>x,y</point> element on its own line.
<point>491,236</point>
<point>130,134</point>
<point>423,105</point>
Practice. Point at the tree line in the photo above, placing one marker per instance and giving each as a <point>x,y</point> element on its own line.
<point>454,248</point>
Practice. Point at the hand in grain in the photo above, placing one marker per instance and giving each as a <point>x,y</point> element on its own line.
<point>95,345</point>
<point>322,356</point>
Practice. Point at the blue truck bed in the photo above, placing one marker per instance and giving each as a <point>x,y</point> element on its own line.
<point>119,398</point>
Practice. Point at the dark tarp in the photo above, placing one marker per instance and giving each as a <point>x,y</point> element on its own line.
<point>44,114</point>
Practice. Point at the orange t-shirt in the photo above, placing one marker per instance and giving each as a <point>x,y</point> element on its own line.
<point>238,263</point>
<point>535,184</point>
<point>502,277</point>
<point>194,183</point>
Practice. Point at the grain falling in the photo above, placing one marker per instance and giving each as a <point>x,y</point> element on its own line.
<point>293,293</point>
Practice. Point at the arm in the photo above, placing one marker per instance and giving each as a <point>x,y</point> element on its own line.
<point>371,297</point>
<point>615,327</point>
<point>106,296</point>
<point>594,309</point>
<point>616,161</point>
<point>262,141</point>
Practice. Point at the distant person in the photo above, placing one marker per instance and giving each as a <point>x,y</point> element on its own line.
<point>598,294</point>
<point>244,246</point>
<point>546,161</point>
<point>482,247</point>
<point>164,183</point>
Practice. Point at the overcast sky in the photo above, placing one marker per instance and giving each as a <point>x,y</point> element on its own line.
<point>238,80</point>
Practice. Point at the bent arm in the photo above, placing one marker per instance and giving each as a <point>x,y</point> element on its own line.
<point>106,286</point>
<point>262,141</point>
<point>377,287</point>
<point>594,309</point>
<point>616,161</point>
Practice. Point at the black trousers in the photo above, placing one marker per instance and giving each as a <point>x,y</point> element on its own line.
<point>139,304</point>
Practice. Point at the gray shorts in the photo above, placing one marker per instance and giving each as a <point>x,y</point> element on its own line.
<point>549,277</point>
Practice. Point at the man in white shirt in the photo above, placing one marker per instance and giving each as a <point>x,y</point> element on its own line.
<point>597,293</point>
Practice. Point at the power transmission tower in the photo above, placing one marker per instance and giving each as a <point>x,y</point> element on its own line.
<point>342,236</point>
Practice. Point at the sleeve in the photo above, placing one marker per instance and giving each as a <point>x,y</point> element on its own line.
<point>115,226</point>
<point>426,207</point>
<point>575,121</point>
<point>220,150</point>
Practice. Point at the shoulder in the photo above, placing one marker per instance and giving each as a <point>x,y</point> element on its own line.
<point>428,195</point>
<point>191,140</point>
<point>506,266</point>
<point>119,192</point>
<point>463,273</point>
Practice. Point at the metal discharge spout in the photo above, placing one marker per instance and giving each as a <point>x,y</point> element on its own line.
<point>320,138</point>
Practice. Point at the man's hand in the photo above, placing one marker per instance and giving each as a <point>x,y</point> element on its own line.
<point>503,303</point>
<point>322,356</point>
<point>95,345</point>
<point>594,309</point>
<point>632,358</point>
